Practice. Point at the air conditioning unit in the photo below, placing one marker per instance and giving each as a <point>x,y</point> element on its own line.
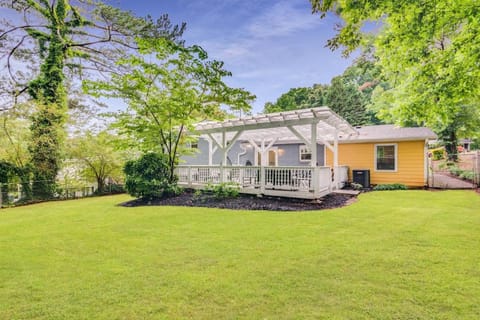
<point>361,177</point>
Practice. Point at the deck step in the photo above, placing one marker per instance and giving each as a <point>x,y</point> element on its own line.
<point>343,191</point>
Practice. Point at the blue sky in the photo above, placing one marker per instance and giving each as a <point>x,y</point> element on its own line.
<point>270,46</point>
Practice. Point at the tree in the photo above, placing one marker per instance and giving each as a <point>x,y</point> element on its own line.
<point>346,100</point>
<point>295,98</point>
<point>348,94</point>
<point>14,137</point>
<point>428,53</point>
<point>168,88</point>
<point>67,42</point>
<point>98,157</point>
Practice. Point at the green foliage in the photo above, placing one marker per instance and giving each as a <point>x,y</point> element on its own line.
<point>462,174</point>
<point>223,190</point>
<point>149,177</point>
<point>97,157</point>
<point>438,154</point>
<point>70,37</point>
<point>467,175</point>
<point>168,89</point>
<point>392,186</point>
<point>46,148</point>
<point>348,94</point>
<point>428,53</point>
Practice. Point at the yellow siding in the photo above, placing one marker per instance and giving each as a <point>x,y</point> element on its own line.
<point>410,166</point>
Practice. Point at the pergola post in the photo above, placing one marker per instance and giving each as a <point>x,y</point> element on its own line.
<point>224,156</point>
<point>313,160</point>
<point>335,159</point>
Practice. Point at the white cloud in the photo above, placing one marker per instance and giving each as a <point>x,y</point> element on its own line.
<point>284,18</point>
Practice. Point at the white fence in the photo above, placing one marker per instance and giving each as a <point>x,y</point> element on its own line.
<point>298,182</point>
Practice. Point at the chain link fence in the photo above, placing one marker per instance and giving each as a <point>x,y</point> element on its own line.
<point>462,174</point>
<point>12,194</point>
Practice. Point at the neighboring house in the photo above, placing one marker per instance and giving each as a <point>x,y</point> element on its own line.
<point>304,153</point>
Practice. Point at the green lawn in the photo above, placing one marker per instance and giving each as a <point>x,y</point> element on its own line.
<point>391,255</point>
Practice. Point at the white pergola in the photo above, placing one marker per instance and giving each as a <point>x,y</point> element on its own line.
<point>311,126</point>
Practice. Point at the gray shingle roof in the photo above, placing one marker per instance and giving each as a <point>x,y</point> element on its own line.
<point>389,132</point>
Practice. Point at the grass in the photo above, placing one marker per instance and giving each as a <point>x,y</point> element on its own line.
<point>391,255</point>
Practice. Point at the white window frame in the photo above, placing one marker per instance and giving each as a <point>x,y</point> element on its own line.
<point>395,148</point>
<point>304,147</point>
<point>274,149</point>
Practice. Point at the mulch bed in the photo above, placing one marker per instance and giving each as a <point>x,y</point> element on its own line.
<point>247,202</point>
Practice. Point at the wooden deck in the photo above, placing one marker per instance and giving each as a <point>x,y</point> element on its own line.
<point>293,182</point>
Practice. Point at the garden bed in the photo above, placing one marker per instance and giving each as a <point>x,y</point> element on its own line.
<point>247,202</point>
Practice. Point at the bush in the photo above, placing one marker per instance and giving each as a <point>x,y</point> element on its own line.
<point>456,171</point>
<point>467,175</point>
<point>223,190</point>
<point>438,154</point>
<point>393,186</point>
<point>148,177</point>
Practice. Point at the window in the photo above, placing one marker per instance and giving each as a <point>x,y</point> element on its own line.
<point>386,157</point>
<point>192,145</point>
<point>305,153</point>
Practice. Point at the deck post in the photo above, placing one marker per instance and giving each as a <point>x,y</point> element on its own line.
<point>316,182</point>
<point>262,178</point>
<point>189,179</point>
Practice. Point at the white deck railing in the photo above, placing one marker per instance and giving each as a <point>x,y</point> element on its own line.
<point>300,182</point>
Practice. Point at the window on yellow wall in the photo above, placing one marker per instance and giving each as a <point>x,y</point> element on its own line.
<point>386,157</point>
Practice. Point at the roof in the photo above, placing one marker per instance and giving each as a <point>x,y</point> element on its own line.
<point>274,126</point>
<point>389,132</point>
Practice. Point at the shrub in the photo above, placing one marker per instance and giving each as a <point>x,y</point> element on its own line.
<point>438,154</point>
<point>455,170</point>
<point>393,186</point>
<point>147,177</point>
<point>223,190</point>
<point>467,175</point>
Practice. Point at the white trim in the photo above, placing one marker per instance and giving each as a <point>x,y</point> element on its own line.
<point>346,141</point>
<point>256,153</point>
<point>300,154</point>
<point>395,145</point>
<point>425,163</point>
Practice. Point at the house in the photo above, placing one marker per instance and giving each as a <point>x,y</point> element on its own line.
<point>305,153</point>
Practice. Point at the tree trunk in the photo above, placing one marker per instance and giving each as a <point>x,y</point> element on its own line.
<point>450,139</point>
<point>100,185</point>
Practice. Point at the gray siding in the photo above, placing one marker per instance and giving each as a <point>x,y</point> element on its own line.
<point>291,156</point>
<point>201,157</point>
<point>288,157</point>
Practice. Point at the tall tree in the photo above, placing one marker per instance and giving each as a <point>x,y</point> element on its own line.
<point>67,42</point>
<point>345,99</point>
<point>98,157</point>
<point>347,94</point>
<point>428,52</point>
<point>168,88</point>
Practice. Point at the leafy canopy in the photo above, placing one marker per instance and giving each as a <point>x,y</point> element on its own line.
<point>169,87</point>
